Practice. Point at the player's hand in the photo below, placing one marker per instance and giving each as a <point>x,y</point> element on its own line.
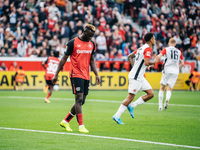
<point>54,79</point>
<point>98,80</point>
<point>149,67</point>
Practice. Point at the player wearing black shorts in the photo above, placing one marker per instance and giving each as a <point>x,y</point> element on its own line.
<point>80,50</point>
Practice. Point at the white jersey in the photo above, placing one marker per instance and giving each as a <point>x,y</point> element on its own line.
<point>138,70</point>
<point>173,57</point>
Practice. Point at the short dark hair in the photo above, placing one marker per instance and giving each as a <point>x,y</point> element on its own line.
<point>148,36</point>
<point>20,67</point>
<point>56,53</point>
<point>195,69</point>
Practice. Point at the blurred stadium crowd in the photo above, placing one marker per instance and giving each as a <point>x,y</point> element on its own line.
<point>36,28</point>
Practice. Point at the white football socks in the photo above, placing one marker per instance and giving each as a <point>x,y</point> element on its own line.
<point>168,95</point>
<point>65,121</point>
<point>139,101</point>
<point>160,96</point>
<point>120,111</point>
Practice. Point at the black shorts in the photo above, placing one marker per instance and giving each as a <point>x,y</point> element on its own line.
<point>80,85</point>
<point>49,82</point>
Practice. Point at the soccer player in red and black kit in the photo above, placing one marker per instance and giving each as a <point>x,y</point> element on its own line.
<point>80,50</point>
<point>50,65</point>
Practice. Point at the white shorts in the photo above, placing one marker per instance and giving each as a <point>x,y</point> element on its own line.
<point>169,79</point>
<point>135,86</point>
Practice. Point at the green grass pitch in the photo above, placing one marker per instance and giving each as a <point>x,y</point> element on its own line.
<point>39,122</point>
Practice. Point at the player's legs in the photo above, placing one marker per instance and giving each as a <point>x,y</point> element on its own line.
<point>133,87</point>
<point>78,85</point>
<point>128,99</point>
<point>168,96</point>
<point>143,98</point>
<point>72,112</point>
<point>46,87</point>
<point>50,85</point>
<point>123,107</point>
<point>170,84</point>
<point>78,108</point>
<point>140,101</point>
<point>146,87</point>
<point>160,96</point>
<point>150,95</point>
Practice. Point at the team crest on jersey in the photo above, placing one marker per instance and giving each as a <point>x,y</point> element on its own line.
<point>134,90</point>
<point>78,45</point>
<point>90,45</point>
<point>78,88</point>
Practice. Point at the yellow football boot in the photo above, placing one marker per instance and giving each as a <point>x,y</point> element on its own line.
<point>65,125</point>
<point>83,129</point>
<point>46,100</point>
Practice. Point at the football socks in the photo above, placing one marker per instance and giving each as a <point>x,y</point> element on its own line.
<point>139,101</point>
<point>121,109</point>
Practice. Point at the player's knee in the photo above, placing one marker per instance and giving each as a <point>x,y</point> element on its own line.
<point>151,95</point>
<point>79,100</point>
<point>131,96</point>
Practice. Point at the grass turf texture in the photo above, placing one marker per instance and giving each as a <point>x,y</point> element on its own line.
<point>177,125</point>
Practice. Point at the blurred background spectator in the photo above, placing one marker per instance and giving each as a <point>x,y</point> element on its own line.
<point>3,67</point>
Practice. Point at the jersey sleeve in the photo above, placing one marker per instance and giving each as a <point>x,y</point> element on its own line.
<point>163,52</point>
<point>181,56</point>
<point>94,48</point>
<point>69,47</point>
<point>147,52</point>
<point>135,52</point>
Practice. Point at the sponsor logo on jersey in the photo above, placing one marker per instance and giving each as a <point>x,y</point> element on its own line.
<point>83,51</point>
<point>148,53</point>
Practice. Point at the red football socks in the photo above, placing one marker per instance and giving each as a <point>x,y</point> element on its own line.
<point>69,117</point>
<point>80,119</point>
<point>48,95</point>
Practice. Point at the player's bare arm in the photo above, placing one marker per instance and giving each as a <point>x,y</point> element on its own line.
<point>156,60</point>
<point>43,65</point>
<point>181,64</point>
<point>60,66</point>
<point>93,68</point>
<point>130,58</point>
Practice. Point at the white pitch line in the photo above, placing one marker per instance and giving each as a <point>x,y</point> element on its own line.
<point>91,100</point>
<point>102,137</point>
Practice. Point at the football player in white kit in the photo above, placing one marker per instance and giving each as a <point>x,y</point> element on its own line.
<point>136,78</point>
<point>170,71</point>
